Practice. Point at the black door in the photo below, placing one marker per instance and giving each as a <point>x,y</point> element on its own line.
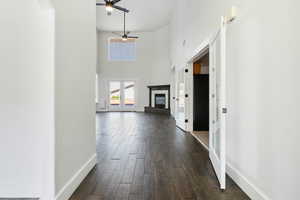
<point>201,102</point>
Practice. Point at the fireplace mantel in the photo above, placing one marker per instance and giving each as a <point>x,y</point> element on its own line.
<point>164,93</point>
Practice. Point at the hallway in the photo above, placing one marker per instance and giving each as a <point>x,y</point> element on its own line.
<point>144,156</point>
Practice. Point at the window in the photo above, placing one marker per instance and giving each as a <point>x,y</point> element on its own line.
<point>120,50</point>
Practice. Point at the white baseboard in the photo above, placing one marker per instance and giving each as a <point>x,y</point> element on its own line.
<point>66,192</point>
<point>19,194</point>
<point>101,111</point>
<point>247,186</point>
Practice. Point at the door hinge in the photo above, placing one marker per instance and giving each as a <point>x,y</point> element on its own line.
<point>224,110</point>
<point>186,121</point>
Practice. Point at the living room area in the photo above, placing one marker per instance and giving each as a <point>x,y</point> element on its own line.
<point>128,77</point>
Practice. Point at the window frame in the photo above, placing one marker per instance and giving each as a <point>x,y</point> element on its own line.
<point>120,60</point>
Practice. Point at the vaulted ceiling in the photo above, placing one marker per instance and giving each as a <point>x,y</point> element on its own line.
<point>144,15</point>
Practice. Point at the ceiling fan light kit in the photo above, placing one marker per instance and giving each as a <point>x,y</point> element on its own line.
<point>109,9</point>
<point>110,6</point>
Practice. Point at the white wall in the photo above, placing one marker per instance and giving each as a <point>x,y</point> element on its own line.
<point>263,94</point>
<point>152,66</point>
<point>26,100</point>
<point>29,104</point>
<point>161,66</point>
<point>74,91</point>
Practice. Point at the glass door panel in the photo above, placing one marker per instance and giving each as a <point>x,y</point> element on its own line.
<point>129,94</point>
<point>114,94</point>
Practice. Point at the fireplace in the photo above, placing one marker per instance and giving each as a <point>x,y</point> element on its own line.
<point>159,99</point>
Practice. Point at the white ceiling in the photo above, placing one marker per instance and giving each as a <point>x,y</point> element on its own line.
<point>144,15</point>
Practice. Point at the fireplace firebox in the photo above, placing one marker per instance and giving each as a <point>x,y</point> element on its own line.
<point>159,99</point>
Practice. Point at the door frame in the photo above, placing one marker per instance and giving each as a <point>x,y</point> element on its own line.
<point>189,84</point>
<point>121,109</point>
<point>198,53</point>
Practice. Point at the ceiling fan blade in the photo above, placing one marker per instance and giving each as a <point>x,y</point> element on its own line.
<point>133,37</point>
<point>120,8</point>
<point>115,1</point>
<point>100,4</point>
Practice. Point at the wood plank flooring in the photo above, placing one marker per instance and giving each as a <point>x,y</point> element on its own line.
<point>145,157</point>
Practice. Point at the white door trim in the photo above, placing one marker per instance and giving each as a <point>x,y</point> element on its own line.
<point>108,96</point>
<point>200,50</point>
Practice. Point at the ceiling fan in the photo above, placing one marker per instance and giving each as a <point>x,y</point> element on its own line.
<point>110,6</point>
<point>126,35</point>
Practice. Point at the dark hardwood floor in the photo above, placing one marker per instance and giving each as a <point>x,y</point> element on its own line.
<point>144,157</point>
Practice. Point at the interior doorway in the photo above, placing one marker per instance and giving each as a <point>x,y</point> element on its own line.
<point>201,99</point>
<point>122,95</point>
